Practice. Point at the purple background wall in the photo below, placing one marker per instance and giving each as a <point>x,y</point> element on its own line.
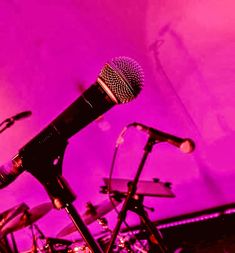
<point>49,50</point>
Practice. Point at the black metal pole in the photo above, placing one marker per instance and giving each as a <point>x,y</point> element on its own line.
<point>34,246</point>
<point>82,228</point>
<point>14,245</point>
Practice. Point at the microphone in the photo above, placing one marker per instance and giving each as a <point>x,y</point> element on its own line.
<point>10,121</point>
<point>185,145</point>
<point>120,81</point>
<point>21,115</point>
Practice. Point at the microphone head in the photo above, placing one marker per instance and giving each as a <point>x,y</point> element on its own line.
<point>22,115</point>
<point>187,146</point>
<point>124,77</point>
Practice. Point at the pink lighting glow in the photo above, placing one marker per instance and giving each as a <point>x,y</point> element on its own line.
<point>51,51</point>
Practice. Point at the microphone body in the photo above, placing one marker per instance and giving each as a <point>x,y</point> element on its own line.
<point>21,115</point>
<point>120,81</point>
<point>185,145</point>
<point>93,103</point>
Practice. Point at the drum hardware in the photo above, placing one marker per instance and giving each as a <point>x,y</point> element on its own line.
<point>5,245</point>
<point>104,224</point>
<point>90,216</point>
<point>123,241</point>
<point>57,245</point>
<point>93,213</point>
<point>75,248</point>
<point>13,242</point>
<point>52,245</point>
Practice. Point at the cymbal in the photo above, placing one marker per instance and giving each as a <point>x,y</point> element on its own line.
<point>27,218</point>
<point>11,213</point>
<point>92,213</point>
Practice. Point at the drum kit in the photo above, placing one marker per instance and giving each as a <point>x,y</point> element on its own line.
<point>22,216</point>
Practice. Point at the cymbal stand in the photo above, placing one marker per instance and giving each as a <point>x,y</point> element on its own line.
<point>39,232</point>
<point>128,204</point>
<point>5,246</point>
<point>31,227</point>
<point>14,245</point>
<point>47,169</point>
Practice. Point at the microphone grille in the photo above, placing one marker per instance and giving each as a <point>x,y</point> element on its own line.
<point>124,77</point>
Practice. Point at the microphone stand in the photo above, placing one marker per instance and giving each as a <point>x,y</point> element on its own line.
<point>8,123</point>
<point>32,228</point>
<point>131,204</point>
<point>47,168</point>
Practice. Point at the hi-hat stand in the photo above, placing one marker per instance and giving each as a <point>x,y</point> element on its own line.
<point>132,204</point>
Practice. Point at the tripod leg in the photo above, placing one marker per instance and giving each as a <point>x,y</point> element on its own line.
<point>155,238</point>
